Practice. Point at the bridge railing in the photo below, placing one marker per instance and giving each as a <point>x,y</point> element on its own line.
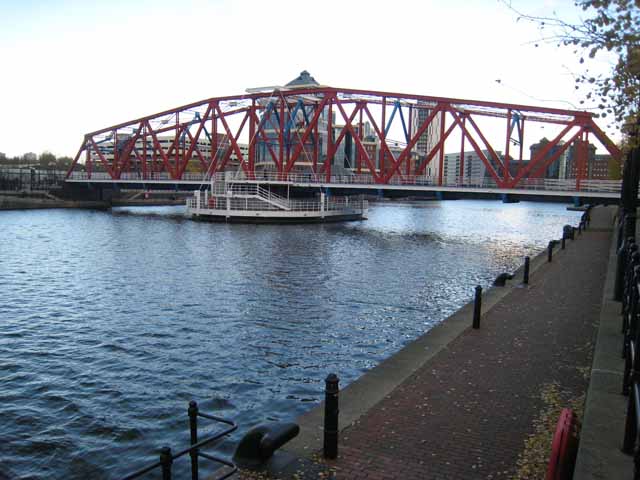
<point>536,184</point>
<point>135,176</point>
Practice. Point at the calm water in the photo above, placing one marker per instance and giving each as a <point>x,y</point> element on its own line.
<point>110,322</point>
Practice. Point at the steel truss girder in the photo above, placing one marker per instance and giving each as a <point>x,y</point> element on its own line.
<point>272,119</point>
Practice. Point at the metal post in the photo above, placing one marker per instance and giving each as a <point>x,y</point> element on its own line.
<point>525,276</point>
<point>166,459</point>
<point>629,226</point>
<point>618,288</point>
<point>331,412</point>
<point>620,237</point>
<point>477,307</point>
<point>193,428</point>
<point>626,376</point>
<point>630,429</point>
<point>563,241</point>
<point>550,251</point>
<point>579,228</point>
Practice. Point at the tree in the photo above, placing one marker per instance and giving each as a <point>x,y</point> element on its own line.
<point>612,26</point>
<point>47,160</point>
<point>63,163</point>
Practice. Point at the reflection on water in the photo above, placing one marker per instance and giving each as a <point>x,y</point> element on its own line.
<point>111,322</point>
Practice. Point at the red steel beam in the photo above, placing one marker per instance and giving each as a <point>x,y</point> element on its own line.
<point>414,140</point>
<point>361,150</point>
<point>541,154</point>
<point>476,147</point>
<point>322,98</point>
<point>348,91</point>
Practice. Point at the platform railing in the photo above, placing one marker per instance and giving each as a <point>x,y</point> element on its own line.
<point>204,201</point>
<point>167,457</point>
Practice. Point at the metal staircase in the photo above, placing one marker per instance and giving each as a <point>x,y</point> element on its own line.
<point>256,192</point>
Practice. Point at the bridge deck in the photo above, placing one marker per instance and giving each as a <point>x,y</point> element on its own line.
<point>592,189</point>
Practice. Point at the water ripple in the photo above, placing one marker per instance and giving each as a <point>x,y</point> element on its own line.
<point>112,322</point>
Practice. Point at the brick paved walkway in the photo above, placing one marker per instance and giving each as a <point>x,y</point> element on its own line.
<point>467,413</point>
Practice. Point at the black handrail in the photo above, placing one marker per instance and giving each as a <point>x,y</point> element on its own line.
<point>167,457</point>
<point>630,289</point>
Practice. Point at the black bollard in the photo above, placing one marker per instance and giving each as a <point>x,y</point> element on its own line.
<point>579,228</point>
<point>550,252</point>
<point>193,429</point>
<point>525,276</point>
<point>477,307</point>
<point>563,241</point>
<point>165,461</point>
<point>331,412</point>
<point>567,232</point>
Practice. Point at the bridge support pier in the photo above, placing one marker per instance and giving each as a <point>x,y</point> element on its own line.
<point>506,198</point>
<point>577,201</point>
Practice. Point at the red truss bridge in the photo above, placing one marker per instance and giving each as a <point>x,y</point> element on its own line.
<point>313,134</point>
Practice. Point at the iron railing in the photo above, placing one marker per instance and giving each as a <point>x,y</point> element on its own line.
<point>30,179</point>
<point>630,348</point>
<point>167,457</point>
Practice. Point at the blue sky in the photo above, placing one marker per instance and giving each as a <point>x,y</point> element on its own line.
<point>71,67</point>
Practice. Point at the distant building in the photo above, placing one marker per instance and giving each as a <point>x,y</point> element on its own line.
<point>166,142</point>
<point>427,141</point>
<point>557,169</point>
<point>474,168</point>
<point>294,123</point>
<point>600,168</point>
<point>347,154</point>
<point>596,168</point>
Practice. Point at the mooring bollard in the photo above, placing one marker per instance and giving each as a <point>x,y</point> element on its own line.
<point>193,429</point>
<point>563,241</point>
<point>477,307</point>
<point>331,412</point>
<point>579,228</point>
<point>550,251</point>
<point>165,461</point>
<point>525,275</point>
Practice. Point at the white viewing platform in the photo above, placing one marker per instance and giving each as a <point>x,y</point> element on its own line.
<point>239,201</point>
